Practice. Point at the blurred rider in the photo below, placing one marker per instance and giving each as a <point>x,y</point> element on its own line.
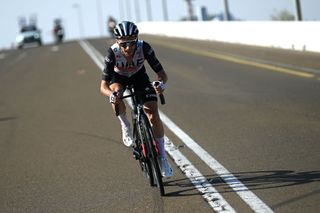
<point>58,31</point>
<point>111,25</point>
<point>124,65</point>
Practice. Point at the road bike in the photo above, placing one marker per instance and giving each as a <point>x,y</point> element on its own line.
<point>145,148</point>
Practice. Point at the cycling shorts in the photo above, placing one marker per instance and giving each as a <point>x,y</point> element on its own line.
<point>140,82</point>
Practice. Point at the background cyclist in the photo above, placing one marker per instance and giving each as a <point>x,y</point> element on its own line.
<point>124,64</point>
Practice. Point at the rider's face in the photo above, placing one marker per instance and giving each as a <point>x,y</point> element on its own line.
<point>127,45</point>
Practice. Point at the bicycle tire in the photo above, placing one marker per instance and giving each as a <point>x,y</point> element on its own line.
<point>144,162</point>
<point>152,154</point>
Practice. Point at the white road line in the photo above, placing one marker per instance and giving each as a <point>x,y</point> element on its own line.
<point>214,199</point>
<point>245,194</point>
<point>208,192</point>
<point>93,53</point>
<point>55,48</point>
<point>18,58</point>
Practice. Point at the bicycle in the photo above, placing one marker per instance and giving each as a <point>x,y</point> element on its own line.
<point>145,148</point>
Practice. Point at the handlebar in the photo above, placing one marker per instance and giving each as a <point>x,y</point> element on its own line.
<point>162,100</point>
<point>161,96</point>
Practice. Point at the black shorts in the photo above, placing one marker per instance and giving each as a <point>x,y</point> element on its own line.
<point>140,82</point>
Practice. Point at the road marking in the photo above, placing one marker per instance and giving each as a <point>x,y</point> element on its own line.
<point>214,199</point>
<point>93,53</point>
<point>238,60</point>
<point>245,194</point>
<point>21,56</point>
<point>18,58</point>
<point>208,192</point>
<point>55,48</point>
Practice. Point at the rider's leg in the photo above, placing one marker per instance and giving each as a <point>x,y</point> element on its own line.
<point>116,87</point>
<point>126,129</point>
<point>151,109</point>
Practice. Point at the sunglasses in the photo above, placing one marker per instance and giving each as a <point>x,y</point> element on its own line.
<point>128,43</point>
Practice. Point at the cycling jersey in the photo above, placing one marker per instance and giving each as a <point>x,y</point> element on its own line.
<point>115,62</point>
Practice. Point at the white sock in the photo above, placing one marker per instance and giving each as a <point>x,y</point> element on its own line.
<point>123,120</point>
<point>161,147</point>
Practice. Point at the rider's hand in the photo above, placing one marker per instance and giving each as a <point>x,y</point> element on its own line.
<point>114,98</point>
<point>159,86</point>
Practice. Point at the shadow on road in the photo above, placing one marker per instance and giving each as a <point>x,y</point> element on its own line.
<point>272,179</point>
<point>253,180</point>
<point>7,118</point>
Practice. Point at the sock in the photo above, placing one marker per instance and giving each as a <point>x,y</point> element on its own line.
<point>123,120</point>
<point>161,147</point>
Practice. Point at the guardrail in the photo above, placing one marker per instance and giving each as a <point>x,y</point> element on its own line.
<point>301,36</point>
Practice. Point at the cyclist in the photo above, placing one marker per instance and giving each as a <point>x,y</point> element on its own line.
<point>58,31</point>
<point>111,25</point>
<point>124,64</point>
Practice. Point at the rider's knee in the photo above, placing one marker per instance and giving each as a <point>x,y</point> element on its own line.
<point>153,116</point>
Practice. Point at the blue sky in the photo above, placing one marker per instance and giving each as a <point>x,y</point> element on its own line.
<point>47,11</point>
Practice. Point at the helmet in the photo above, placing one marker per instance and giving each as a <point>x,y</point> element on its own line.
<point>125,28</point>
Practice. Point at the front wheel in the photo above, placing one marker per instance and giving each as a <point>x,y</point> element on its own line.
<point>141,150</point>
<point>152,154</point>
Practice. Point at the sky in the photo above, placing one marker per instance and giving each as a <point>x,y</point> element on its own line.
<point>94,13</point>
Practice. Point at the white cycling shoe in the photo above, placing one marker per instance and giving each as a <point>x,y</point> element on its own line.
<point>127,136</point>
<point>165,167</point>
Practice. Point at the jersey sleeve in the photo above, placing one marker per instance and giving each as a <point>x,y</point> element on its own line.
<point>109,62</point>
<point>150,56</point>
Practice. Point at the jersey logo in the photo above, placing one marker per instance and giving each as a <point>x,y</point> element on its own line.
<point>124,67</point>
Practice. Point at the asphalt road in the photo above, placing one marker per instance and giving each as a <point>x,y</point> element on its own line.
<point>60,145</point>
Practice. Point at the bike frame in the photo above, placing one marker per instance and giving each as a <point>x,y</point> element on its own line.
<point>144,140</point>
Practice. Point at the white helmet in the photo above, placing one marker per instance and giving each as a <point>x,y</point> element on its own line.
<point>125,28</point>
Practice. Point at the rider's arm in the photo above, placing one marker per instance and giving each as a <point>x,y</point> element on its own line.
<point>150,56</point>
<point>105,89</point>
<point>162,76</point>
<point>107,73</point>
<point>154,62</point>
